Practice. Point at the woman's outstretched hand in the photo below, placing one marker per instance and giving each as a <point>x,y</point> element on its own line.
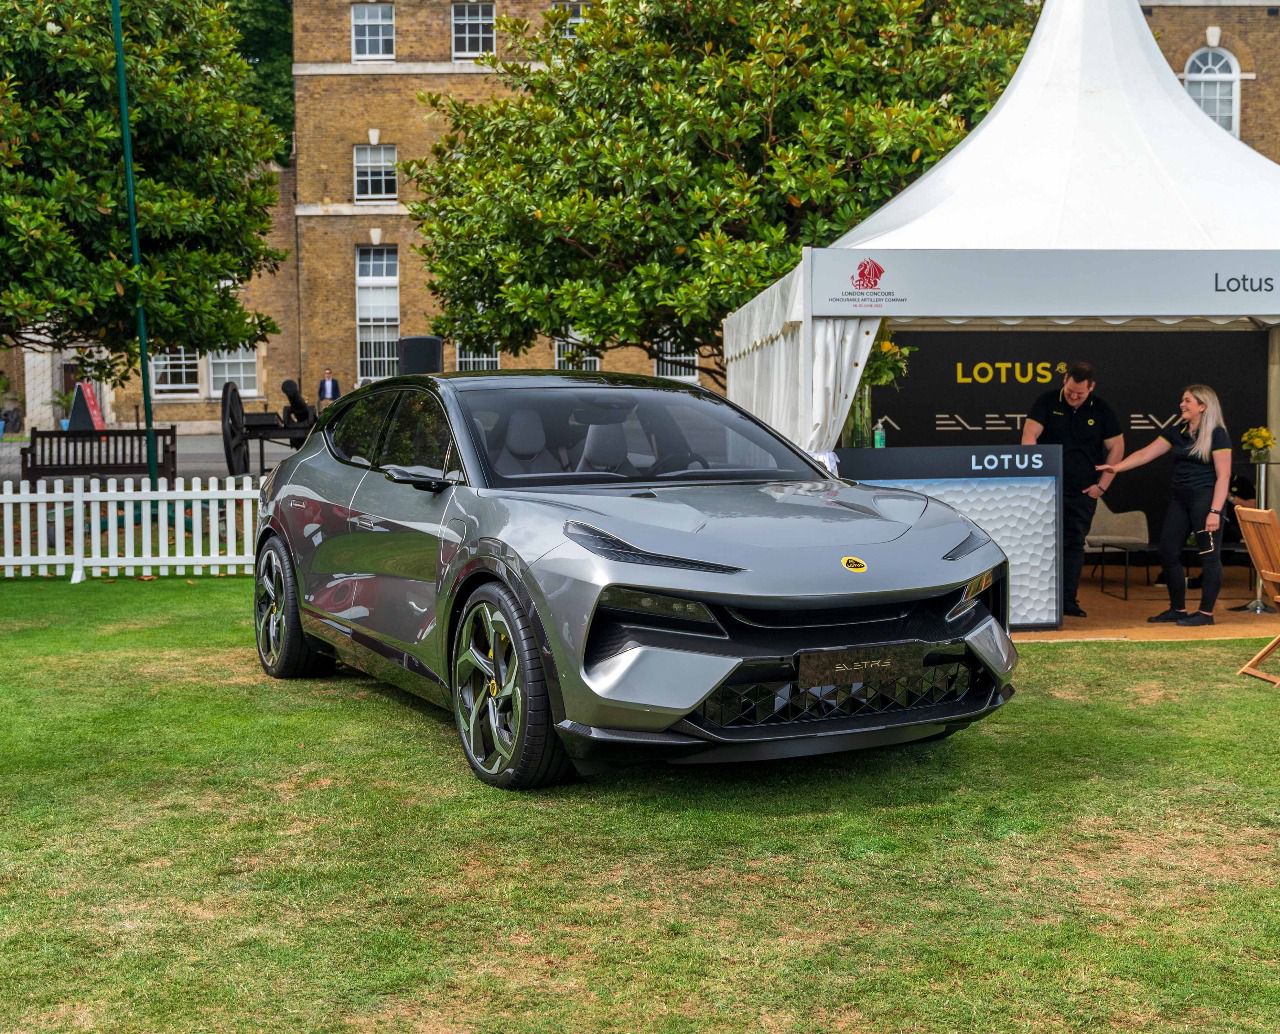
<point>1106,468</point>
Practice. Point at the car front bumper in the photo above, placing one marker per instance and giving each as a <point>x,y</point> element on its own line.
<point>596,749</point>
<point>942,687</point>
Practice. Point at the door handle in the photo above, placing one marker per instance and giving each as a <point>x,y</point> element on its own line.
<point>367,523</point>
<point>297,504</point>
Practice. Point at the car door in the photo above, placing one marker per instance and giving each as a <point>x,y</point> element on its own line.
<point>398,522</point>
<point>315,505</point>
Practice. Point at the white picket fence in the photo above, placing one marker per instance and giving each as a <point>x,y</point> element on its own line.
<point>91,530</point>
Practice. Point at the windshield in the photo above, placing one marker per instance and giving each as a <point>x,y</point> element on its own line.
<point>534,437</point>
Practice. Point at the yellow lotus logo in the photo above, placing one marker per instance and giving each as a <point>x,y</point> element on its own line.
<point>852,563</point>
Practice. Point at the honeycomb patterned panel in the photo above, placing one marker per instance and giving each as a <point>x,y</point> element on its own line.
<point>1021,514</point>
<point>786,703</point>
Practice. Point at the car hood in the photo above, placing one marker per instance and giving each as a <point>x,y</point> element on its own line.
<point>713,521</point>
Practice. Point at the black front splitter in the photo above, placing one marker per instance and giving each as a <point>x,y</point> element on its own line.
<point>595,749</point>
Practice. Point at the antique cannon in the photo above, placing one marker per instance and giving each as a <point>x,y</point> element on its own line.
<point>288,427</point>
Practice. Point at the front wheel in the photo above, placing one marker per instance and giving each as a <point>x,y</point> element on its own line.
<point>500,700</point>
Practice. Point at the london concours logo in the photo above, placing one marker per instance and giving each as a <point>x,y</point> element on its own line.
<point>868,276</point>
<point>865,290</point>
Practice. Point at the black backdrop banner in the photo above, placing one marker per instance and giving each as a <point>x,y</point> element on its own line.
<point>975,388</point>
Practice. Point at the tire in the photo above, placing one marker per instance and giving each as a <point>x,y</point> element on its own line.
<point>285,651</point>
<point>500,702</point>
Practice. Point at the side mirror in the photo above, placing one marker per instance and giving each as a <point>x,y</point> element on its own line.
<point>425,479</point>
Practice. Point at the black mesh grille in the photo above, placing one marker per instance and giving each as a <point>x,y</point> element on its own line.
<point>755,704</point>
<point>796,617</point>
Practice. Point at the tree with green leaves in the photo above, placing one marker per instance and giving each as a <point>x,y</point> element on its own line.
<point>204,186</point>
<point>266,43</point>
<point>649,173</point>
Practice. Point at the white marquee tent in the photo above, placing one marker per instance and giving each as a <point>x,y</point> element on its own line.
<point>1095,188</point>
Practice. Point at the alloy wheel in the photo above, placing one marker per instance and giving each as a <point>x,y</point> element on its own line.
<point>269,604</point>
<point>489,702</point>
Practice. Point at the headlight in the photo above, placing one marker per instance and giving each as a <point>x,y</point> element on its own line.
<point>654,605</point>
<point>971,593</point>
<point>976,539</point>
<point>611,548</point>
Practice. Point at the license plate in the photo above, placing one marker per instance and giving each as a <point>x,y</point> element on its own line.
<point>848,667</point>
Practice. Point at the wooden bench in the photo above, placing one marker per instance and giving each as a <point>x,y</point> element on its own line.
<point>102,454</point>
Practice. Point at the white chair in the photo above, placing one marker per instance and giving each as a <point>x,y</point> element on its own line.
<point>1126,532</point>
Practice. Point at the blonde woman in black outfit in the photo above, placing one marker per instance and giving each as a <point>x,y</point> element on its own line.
<point>1201,451</point>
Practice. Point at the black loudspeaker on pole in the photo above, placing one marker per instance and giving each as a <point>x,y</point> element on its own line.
<point>423,354</point>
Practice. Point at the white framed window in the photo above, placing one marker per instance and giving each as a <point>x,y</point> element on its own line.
<point>577,15</point>
<point>478,359</point>
<point>472,31</point>
<point>568,357</point>
<point>377,312</point>
<point>373,32</point>
<point>180,373</point>
<point>1212,78</point>
<point>677,366</point>
<point>175,372</point>
<point>375,172</point>
<point>240,366</point>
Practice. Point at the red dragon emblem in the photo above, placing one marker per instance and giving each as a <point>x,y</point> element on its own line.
<point>869,273</point>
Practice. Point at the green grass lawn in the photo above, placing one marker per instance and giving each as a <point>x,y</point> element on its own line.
<point>186,845</point>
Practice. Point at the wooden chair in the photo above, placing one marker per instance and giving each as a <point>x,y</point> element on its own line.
<point>1261,530</point>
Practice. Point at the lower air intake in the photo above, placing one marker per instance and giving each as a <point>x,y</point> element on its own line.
<point>785,703</point>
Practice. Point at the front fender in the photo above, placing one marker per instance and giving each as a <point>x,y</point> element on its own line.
<point>490,560</point>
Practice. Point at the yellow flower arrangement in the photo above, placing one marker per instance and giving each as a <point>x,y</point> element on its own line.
<point>1258,438</point>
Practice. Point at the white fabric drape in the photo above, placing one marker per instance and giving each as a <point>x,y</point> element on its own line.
<point>798,375</point>
<point>764,352</point>
<point>840,350</point>
<point>756,380</point>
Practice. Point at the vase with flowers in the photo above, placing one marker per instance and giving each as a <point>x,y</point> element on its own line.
<point>886,362</point>
<point>1259,441</point>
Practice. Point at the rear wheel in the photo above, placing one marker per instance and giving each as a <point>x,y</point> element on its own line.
<point>285,651</point>
<point>500,700</point>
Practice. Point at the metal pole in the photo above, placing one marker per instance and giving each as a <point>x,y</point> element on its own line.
<point>118,31</point>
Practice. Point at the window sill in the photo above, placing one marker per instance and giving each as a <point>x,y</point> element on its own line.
<point>192,400</point>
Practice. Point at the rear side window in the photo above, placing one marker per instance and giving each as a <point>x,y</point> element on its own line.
<point>418,436</point>
<point>354,436</point>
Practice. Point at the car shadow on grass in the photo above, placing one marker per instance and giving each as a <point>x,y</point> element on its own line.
<point>1031,749</point>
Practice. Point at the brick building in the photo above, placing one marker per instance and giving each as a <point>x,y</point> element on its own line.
<point>353,285</point>
<point>1228,55</point>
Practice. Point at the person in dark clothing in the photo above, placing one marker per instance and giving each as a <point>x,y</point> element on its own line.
<point>1089,433</point>
<point>1201,451</point>
<point>1240,492</point>
<point>330,391</point>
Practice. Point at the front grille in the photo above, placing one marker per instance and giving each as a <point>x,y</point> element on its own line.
<point>796,617</point>
<point>754,704</point>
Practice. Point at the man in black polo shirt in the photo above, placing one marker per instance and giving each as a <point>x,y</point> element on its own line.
<point>1089,433</point>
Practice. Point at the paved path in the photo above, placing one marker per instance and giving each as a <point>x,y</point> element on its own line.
<point>201,456</point>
